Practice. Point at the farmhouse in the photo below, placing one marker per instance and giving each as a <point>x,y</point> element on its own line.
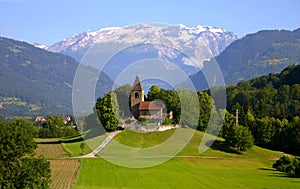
<point>146,109</point>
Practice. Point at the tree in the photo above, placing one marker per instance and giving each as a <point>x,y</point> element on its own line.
<point>189,108</point>
<point>206,105</point>
<point>240,138</point>
<point>288,164</point>
<point>82,146</point>
<point>108,111</point>
<point>123,95</point>
<point>228,124</point>
<point>18,169</point>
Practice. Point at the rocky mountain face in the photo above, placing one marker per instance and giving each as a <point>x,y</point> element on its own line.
<point>200,42</point>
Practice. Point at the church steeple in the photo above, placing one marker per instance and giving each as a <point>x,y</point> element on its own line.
<point>137,86</point>
<point>137,92</point>
<point>136,97</point>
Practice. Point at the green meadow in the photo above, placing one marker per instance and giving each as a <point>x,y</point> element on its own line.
<point>213,169</point>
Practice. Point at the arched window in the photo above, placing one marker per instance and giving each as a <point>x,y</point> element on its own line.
<point>137,95</point>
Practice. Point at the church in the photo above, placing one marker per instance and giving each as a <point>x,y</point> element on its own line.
<point>145,109</point>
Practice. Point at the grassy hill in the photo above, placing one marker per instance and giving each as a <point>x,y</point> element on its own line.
<point>213,169</point>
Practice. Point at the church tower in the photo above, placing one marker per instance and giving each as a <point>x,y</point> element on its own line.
<point>136,97</point>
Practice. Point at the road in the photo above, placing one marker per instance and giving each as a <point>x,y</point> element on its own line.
<point>102,145</point>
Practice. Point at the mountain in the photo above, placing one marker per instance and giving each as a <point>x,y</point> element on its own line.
<point>198,42</point>
<point>34,81</point>
<point>255,55</point>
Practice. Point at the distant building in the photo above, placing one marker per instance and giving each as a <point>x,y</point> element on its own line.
<point>66,119</point>
<point>40,119</point>
<point>146,109</point>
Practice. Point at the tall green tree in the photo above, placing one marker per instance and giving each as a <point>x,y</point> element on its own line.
<point>206,106</point>
<point>123,95</point>
<point>18,169</point>
<point>108,111</point>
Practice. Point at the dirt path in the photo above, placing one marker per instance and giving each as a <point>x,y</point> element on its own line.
<point>102,145</point>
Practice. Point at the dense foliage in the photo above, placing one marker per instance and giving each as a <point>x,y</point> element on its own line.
<point>18,169</point>
<point>270,107</point>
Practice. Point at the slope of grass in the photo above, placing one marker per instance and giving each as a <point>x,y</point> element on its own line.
<point>142,140</point>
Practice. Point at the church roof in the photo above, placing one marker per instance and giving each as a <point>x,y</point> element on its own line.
<point>137,86</point>
<point>150,105</point>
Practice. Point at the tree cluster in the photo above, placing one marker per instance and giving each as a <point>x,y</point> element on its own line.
<point>56,128</point>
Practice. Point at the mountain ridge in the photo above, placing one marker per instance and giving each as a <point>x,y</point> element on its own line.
<point>214,39</point>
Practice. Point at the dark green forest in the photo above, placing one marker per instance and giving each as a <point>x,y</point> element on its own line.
<point>270,107</point>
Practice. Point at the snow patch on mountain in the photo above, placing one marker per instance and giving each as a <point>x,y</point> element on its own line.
<point>200,42</point>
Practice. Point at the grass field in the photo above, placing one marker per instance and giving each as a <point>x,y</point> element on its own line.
<point>213,169</point>
<point>197,172</point>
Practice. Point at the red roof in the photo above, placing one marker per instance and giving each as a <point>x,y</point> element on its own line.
<point>151,105</point>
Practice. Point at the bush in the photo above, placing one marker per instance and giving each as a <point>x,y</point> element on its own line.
<point>168,121</point>
<point>142,119</point>
<point>288,164</point>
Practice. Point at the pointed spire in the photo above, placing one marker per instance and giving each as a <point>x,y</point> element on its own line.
<point>137,86</point>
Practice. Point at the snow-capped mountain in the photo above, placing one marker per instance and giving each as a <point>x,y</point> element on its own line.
<point>201,42</point>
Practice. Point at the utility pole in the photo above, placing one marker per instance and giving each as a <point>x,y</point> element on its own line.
<point>237,117</point>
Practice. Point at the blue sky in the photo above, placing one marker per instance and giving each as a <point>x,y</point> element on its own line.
<point>50,21</point>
